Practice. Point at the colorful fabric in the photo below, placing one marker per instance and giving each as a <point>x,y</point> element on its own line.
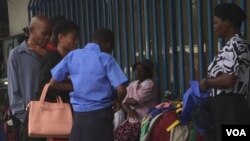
<point>179,133</point>
<point>146,126</point>
<point>159,131</point>
<point>128,131</point>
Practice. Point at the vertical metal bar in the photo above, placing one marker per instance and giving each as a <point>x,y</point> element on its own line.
<point>82,25</point>
<point>113,26</point>
<point>174,47</point>
<point>39,7</point>
<point>125,46</point>
<point>110,15</point>
<point>48,8</point>
<point>132,31</point>
<point>66,6</point>
<point>71,6</point>
<point>33,8</point>
<point>182,48</point>
<point>62,7</point>
<point>76,12</point>
<point>139,28</point>
<point>43,6</point>
<point>36,7</point>
<point>200,39</point>
<point>164,46</point>
<point>155,39</point>
<point>104,13</point>
<point>155,25</point>
<point>93,17</point>
<point>220,43</point>
<point>220,40</point>
<point>29,10</point>
<point>119,52</point>
<point>52,7</point>
<point>210,45</point>
<point>87,21</point>
<point>57,7</point>
<point>243,4</point>
<point>147,34</point>
<point>190,38</point>
<point>98,13</point>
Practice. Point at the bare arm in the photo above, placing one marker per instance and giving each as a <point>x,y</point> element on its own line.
<point>223,81</point>
<point>64,86</point>
<point>121,93</point>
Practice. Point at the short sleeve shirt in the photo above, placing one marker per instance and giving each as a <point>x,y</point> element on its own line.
<point>233,59</point>
<point>93,74</point>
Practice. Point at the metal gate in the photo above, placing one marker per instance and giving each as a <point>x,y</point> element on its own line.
<point>177,35</point>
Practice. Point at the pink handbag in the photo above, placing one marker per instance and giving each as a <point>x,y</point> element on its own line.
<point>47,119</point>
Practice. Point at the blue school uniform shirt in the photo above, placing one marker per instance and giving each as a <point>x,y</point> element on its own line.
<point>93,74</point>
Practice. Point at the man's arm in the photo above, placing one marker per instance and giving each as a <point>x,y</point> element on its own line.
<point>17,104</point>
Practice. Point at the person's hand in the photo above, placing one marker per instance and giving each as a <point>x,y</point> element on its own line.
<point>203,85</point>
<point>36,49</point>
<point>133,114</point>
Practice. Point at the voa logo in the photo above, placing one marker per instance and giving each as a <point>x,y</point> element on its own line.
<point>236,132</point>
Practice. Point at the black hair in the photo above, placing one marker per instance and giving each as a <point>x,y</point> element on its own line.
<point>103,35</point>
<point>231,12</point>
<point>64,27</point>
<point>55,19</point>
<point>148,67</point>
<point>148,73</point>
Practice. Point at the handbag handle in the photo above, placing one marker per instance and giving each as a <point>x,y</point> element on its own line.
<point>44,92</point>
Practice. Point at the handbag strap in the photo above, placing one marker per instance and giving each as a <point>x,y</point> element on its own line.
<point>44,92</point>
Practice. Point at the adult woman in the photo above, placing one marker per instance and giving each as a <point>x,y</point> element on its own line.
<point>228,74</point>
<point>141,95</point>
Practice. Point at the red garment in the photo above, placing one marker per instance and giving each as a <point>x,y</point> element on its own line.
<point>50,47</point>
<point>159,130</point>
<point>128,131</point>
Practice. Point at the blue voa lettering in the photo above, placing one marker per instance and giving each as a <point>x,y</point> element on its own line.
<point>236,132</point>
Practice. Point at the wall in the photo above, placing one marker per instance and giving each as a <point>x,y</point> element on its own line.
<point>18,15</point>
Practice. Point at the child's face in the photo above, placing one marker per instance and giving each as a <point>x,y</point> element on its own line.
<point>70,40</point>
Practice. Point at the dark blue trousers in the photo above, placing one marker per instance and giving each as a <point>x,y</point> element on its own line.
<point>93,126</point>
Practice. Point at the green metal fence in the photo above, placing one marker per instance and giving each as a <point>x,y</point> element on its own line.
<point>176,34</point>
